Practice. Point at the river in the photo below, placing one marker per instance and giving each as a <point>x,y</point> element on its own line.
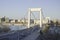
<point>17,27</point>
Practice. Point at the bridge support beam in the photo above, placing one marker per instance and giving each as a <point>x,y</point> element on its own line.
<point>29,18</point>
<point>40,18</point>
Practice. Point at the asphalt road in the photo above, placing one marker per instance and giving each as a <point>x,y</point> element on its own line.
<point>32,36</point>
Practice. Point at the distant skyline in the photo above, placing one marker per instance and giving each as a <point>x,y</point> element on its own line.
<point>16,9</point>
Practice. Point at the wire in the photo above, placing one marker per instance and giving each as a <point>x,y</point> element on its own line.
<point>34,16</point>
<point>42,15</point>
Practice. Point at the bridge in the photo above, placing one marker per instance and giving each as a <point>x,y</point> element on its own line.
<point>29,21</point>
<point>31,31</point>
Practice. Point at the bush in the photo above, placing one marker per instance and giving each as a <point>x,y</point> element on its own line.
<point>4,29</point>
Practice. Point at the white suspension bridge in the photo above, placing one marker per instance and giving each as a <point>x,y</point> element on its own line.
<point>34,34</point>
<point>36,21</point>
<point>29,21</point>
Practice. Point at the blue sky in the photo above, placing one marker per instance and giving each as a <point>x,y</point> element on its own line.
<point>18,8</point>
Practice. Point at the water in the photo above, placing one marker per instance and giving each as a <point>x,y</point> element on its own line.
<point>17,27</point>
<point>20,27</point>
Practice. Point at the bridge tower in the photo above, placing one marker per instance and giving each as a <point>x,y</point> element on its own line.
<point>35,10</point>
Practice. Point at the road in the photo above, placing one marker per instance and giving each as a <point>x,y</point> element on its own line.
<point>32,36</point>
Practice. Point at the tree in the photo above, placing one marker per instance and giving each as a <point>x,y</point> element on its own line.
<point>3,19</point>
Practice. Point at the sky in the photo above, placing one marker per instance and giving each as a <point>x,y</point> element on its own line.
<point>17,9</point>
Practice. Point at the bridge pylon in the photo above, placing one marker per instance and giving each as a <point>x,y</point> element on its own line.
<point>35,10</point>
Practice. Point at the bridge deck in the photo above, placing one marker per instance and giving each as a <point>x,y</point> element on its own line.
<point>32,36</point>
<point>31,33</point>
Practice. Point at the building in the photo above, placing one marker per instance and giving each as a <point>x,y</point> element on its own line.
<point>12,21</point>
